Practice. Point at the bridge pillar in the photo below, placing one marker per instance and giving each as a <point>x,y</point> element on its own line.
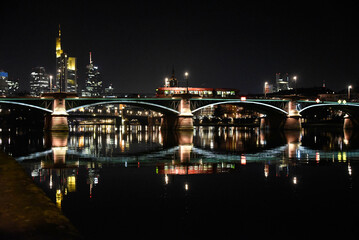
<point>263,125</point>
<point>57,121</point>
<point>185,118</point>
<point>293,118</point>
<point>183,121</point>
<point>349,123</point>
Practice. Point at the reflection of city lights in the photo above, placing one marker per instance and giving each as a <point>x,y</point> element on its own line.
<point>71,183</point>
<point>266,170</point>
<point>50,184</point>
<point>166,179</point>
<point>186,186</point>
<point>243,160</point>
<point>58,198</point>
<point>317,156</point>
<point>295,181</point>
<point>349,170</point>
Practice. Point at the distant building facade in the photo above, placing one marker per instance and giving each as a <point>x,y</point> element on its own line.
<point>171,82</point>
<point>109,90</point>
<point>7,86</point>
<point>282,82</point>
<point>39,81</point>
<point>93,83</point>
<point>4,76</point>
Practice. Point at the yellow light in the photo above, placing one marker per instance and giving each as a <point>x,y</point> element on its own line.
<point>71,183</point>
<point>58,198</point>
<point>71,63</point>
<point>339,101</point>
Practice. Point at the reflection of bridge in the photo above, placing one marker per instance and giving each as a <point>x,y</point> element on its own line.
<point>178,111</point>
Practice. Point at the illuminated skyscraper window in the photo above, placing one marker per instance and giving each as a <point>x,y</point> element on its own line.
<point>39,81</point>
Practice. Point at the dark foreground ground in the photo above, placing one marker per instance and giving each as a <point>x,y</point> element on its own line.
<point>25,211</point>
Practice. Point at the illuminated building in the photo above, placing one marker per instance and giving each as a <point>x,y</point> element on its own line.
<point>93,84</point>
<point>39,81</point>
<point>71,82</point>
<point>109,90</point>
<point>3,79</point>
<point>282,82</point>
<point>7,86</point>
<point>66,76</point>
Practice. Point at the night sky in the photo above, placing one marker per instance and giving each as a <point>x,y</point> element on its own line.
<point>234,44</point>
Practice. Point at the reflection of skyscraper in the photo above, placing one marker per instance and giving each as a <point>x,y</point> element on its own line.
<point>65,70</point>
<point>93,84</point>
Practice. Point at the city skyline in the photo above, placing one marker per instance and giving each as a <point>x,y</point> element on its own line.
<point>218,43</point>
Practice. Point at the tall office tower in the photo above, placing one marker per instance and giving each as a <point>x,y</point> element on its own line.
<point>61,62</point>
<point>282,82</point>
<point>39,81</point>
<point>93,84</point>
<point>71,83</point>
<point>66,76</point>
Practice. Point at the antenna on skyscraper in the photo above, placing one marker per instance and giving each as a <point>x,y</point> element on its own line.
<point>90,58</point>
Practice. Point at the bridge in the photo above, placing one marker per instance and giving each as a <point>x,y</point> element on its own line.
<point>178,111</point>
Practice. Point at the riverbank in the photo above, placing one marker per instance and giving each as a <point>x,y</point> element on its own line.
<point>25,211</point>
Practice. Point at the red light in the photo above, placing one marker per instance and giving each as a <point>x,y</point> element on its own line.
<point>243,160</point>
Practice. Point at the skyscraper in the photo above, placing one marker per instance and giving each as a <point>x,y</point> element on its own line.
<point>39,81</point>
<point>66,76</point>
<point>71,85</point>
<point>93,84</point>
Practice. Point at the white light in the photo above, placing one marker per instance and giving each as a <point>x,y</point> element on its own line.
<point>166,179</point>
<point>295,181</point>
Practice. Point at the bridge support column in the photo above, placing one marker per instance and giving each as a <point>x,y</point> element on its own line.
<point>183,121</point>
<point>185,118</point>
<point>57,121</point>
<point>293,119</point>
<point>263,125</point>
<point>349,122</point>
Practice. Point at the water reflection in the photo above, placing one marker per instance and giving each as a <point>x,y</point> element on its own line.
<point>94,167</point>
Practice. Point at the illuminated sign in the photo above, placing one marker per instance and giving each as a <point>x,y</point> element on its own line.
<point>4,74</point>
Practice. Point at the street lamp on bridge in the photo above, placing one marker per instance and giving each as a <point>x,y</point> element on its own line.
<point>265,89</point>
<point>186,76</point>
<point>349,88</point>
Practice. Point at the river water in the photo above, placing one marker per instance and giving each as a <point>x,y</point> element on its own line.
<point>226,182</point>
